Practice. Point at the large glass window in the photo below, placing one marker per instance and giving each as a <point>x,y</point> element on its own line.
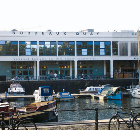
<point>47,48</point>
<point>22,69</point>
<point>134,48</point>
<point>89,69</point>
<point>123,47</point>
<point>27,48</point>
<point>64,68</point>
<point>8,48</point>
<point>102,48</point>
<point>114,47</point>
<point>66,48</point>
<point>84,48</point>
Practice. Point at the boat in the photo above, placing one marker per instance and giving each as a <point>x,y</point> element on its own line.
<point>38,111</point>
<point>42,110</point>
<point>135,92</point>
<point>109,92</point>
<point>92,90</point>
<point>16,89</point>
<point>44,93</point>
<point>64,96</point>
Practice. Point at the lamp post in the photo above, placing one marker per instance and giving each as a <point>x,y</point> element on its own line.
<point>138,58</point>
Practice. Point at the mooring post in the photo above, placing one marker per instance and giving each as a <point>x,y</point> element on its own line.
<point>96,118</point>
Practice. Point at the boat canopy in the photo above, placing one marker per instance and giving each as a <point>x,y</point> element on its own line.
<point>45,91</point>
<point>109,90</point>
<point>15,85</point>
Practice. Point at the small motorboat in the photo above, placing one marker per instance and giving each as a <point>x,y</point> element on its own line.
<point>16,89</point>
<point>64,96</point>
<point>92,90</point>
<point>43,94</point>
<point>135,92</point>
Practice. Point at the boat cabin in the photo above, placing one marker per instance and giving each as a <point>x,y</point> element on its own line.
<point>43,93</point>
<point>93,88</point>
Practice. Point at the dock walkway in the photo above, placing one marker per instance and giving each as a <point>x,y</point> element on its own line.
<point>77,125</point>
<point>73,125</point>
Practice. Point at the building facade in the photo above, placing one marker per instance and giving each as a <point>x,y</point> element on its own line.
<point>88,54</point>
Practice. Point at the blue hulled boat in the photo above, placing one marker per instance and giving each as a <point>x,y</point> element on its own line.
<point>108,92</point>
<point>111,92</point>
<point>64,96</point>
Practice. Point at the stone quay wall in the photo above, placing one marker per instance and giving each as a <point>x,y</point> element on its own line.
<point>72,86</point>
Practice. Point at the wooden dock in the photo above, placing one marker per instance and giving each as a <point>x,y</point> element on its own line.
<point>81,95</point>
<point>10,97</point>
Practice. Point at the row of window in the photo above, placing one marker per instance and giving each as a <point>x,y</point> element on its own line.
<point>66,48</point>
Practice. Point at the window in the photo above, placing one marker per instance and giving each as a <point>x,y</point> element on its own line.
<point>102,48</point>
<point>22,69</point>
<point>8,48</point>
<point>114,47</point>
<point>28,48</point>
<point>46,90</point>
<point>84,51</point>
<point>27,51</point>
<point>134,48</point>
<point>123,46</point>
<point>47,48</point>
<point>84,48</point>
<point>66,48</point>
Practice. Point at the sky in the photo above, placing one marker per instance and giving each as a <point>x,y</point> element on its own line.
<point>70,15</point>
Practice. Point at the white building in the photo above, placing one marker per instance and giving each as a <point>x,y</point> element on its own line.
<point>69,54</point>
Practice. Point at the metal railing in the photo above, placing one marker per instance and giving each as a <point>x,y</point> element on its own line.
<point>79,77</point>
<point>95,109</point>
<point>96,113</point>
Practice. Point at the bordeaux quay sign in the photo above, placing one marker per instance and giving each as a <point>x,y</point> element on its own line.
<point>77,33</point>
<point>64,33</point>
<point>55,59</point>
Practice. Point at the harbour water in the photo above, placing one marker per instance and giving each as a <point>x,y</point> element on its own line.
<point>77,105</point>
<point>90,103</point>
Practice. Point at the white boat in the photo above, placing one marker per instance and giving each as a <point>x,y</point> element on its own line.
<point>43,94</point>
<point>64,96</point>
<point>92,90</point>
<point>16,89</point>
<point>135,92</point>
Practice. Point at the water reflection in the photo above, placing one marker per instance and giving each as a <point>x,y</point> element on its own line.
<point>104,113</point>
<point>19,103</point>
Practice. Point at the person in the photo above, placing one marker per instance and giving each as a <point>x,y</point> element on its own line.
<point>51,76</point>
<point>82,76</point>
<point>55,75</point>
